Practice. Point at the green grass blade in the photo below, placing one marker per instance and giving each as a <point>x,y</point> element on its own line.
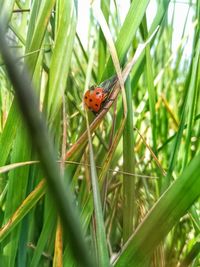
<point>102,41</point>
<point>191,105</point>
<point>102,251</point>
<point>127,32</point>
<point>128,166</point>
<point>61,58</point>
<point>150,87</point>
<point>36,30</point>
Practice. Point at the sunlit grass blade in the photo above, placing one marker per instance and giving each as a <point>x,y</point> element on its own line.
<point>127,32</point>
<point>102,42</point>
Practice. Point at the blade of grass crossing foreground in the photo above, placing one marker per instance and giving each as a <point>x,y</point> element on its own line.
<point>7,137</point>
<point>21,153</point>
<point>128,166</point>
<point>164,215</point>
<point>37,129</point>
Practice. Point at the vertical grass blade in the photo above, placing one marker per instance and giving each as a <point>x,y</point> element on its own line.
<point>150,87</point>
<point>128,166</point>
<point>102,42</point>
<point>37,27</point>
<point>191,104</point>
<point>102,251</point>
<point>61,58</point>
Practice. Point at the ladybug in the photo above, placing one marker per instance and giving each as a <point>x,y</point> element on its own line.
<point>96,96</point>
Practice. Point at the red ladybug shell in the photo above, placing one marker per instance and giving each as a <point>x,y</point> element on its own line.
<point>94,98</point>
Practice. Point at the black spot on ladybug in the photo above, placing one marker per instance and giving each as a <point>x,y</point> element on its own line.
<point>85,97</point>
<point>96,105</point>
<point>90,99</point>
<point>97,93</point>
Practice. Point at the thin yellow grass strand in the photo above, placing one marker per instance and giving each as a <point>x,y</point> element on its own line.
<point>9,167</point>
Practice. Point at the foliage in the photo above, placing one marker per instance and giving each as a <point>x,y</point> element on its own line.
<point>128,183</point>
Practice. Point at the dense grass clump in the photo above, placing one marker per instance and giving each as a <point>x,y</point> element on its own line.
<point>118,188</point>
